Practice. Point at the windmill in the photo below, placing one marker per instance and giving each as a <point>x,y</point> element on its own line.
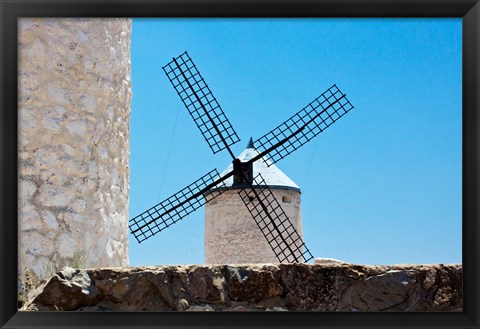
<point>286,243</point>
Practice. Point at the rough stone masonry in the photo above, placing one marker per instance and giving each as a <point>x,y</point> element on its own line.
<point>74,98</point>
<point>270,287</point>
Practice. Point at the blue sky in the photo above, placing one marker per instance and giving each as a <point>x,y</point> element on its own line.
<point>380,186</point>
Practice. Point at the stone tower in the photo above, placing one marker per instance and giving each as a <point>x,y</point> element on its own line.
<point>74,97</point>
<point>231,234</point>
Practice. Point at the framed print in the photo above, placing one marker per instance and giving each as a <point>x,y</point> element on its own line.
<point>141,173</point>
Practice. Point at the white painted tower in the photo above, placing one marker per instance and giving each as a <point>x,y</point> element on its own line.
<point>231,234</point>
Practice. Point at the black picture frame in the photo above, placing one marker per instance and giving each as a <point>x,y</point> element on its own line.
<point>468,10</point>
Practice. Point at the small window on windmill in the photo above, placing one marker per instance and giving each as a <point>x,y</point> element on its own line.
<point>251,197</point>
<point>286,199</point>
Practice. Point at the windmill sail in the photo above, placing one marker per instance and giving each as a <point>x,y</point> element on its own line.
<point>200,103</point>
<point>177,206</point>
<point>276,227</point>
<point>314,118</point>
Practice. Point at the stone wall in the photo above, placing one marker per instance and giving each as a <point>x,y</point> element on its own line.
<point>73,151</point>
<point>233,237</point>
<point>273,287</point>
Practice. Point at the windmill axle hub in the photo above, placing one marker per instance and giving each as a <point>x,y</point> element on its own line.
<point>243,172</point>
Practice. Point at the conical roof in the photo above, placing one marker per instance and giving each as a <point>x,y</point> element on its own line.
<point>273,176</point>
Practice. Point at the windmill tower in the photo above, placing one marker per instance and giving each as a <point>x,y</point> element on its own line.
<point>231,234</point>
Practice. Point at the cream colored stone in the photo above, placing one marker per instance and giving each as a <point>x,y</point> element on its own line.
<point>39,266</point>
<point>27,189</point>
<point>35,243</point>
<point>55,196</point>
<point>74,167</point>
<point>52,119</point>
<point>233,237</point>
<point>68,150</point>
<point>74,219</point>
<point>74,75</point>
<point>77,127</point>
<point>36,48</point>
<point>66,245</point>
<point>52,125</point>
<point>59,95</point>
<point>79,205</point>
<point>328,261</point>
<point>27,120</point>
<point>82,36</point>
<point>113,248</point>
<point>50,220</point>
<point>103,153</point>
<point>30,218</point>
<point>44,157</point>
<point>89,101</point>
<point>26,259</point>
